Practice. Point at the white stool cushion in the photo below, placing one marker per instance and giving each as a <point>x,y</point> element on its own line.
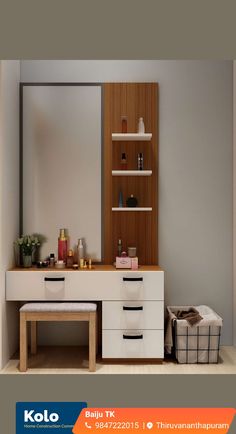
<point>59,307</point>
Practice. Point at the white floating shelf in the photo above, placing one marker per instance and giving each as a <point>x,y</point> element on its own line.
<point>131,172</point>
<point>132,209</point>
<point>131,136</point>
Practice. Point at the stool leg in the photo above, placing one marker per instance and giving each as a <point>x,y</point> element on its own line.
<point>23,342</point>
<point>33,337</point>
<point>92,341</point>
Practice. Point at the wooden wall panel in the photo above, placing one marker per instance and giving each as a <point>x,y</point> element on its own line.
<point>139,229</point>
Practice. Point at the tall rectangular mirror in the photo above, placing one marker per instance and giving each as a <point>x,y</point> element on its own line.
<point>61,164</point>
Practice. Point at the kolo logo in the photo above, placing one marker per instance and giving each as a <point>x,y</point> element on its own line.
<point>31,416</point>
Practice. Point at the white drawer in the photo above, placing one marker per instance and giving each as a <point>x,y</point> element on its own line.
<point>133,315</point>
<point>85,285</point>
<point>139,286</point>
<point>121,344</point>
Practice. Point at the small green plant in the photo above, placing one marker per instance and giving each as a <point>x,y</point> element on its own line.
<point>28,243</point>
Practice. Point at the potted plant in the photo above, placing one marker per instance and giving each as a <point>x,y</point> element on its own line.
<point>27,244</point>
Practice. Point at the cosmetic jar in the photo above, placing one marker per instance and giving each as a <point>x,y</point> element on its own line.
<point>132,252</point>
<point>75,267</point>
<point>60,264</point>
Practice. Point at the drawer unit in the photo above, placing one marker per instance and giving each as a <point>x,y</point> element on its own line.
<point>133,303</point>
<point>128,344</point>
<point>133,315</point>
<point>84,285</point>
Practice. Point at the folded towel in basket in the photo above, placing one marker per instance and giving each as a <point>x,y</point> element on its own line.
<point>191,315</point>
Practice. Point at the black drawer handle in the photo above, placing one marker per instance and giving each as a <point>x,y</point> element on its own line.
<point>132,307</point>
<point>54,279</point>
<point>132,279</point>
<point>132,336</point>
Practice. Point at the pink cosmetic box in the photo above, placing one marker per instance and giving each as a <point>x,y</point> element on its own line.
<point>123,262</point>
<point>126,262</point>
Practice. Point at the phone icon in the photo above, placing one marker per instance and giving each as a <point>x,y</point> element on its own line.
<point>87,425</point>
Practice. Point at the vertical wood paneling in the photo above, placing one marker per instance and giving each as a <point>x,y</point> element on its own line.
<point>138,229</point>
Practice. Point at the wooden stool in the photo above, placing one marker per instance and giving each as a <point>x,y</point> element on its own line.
<point>34,312</point>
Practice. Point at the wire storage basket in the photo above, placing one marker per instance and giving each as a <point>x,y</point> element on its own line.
<point>199,343</point>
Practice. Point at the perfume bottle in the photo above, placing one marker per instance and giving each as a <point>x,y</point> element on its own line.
<point>123,161</point>
<point>70,259</point>
<point>120,199</point>
<point>140,161</point>
<point>131,202</point>
<point>119,248</point>
<point>124,124</point>
<point>62,246</point>
<point>80,250</point>
<point>52,260</point>
<point>141,127</point>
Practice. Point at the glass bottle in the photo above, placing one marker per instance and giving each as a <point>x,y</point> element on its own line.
<point>70,259</point>
<point>141,126</point>
<point>52,260</point>
<point>62,246</point>
<point>123,161</point>
<point>119,248</point>
<point>80,250</point>
<point>120,199</point>
<point>124,124</point>
<point>140,161</point>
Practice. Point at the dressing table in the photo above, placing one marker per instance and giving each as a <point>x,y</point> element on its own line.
<point>66,130</point>
<point>132,303</point>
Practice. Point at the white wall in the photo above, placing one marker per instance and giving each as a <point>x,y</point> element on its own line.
<point>9,198</point>
<point>195,169</point>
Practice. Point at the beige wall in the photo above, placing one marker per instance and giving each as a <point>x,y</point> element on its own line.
<point>195,170</point>
<point>9,198</point>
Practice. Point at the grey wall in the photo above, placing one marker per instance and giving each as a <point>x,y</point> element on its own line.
<point>234,201</point>
<point>195,169</point>
<point>9,198</point>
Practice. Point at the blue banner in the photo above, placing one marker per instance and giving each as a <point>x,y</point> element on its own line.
<point>56,417</point>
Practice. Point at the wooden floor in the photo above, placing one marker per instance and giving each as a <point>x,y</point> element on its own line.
<point>74,360</point>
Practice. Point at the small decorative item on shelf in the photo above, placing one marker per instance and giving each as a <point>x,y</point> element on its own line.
<point>131,202</point>
<point>42,264</point>
<point>132,252</point>
<point>141,126</point>
<point>90,264</point>
<point>62,245</point>
<point>52,260</point>
<point>36,251</point>
<point>124,124</point>
<point>27,261</point>
<point>80,250</point>
<point>70,259</point>
<point>123,262</point>
<point>119,248</point>
<point>60,264</point>
<point>134,263</point>
<point>120,199</point>
<point>27,244</point>
<point>140,161</point>
<point>123,161</point>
